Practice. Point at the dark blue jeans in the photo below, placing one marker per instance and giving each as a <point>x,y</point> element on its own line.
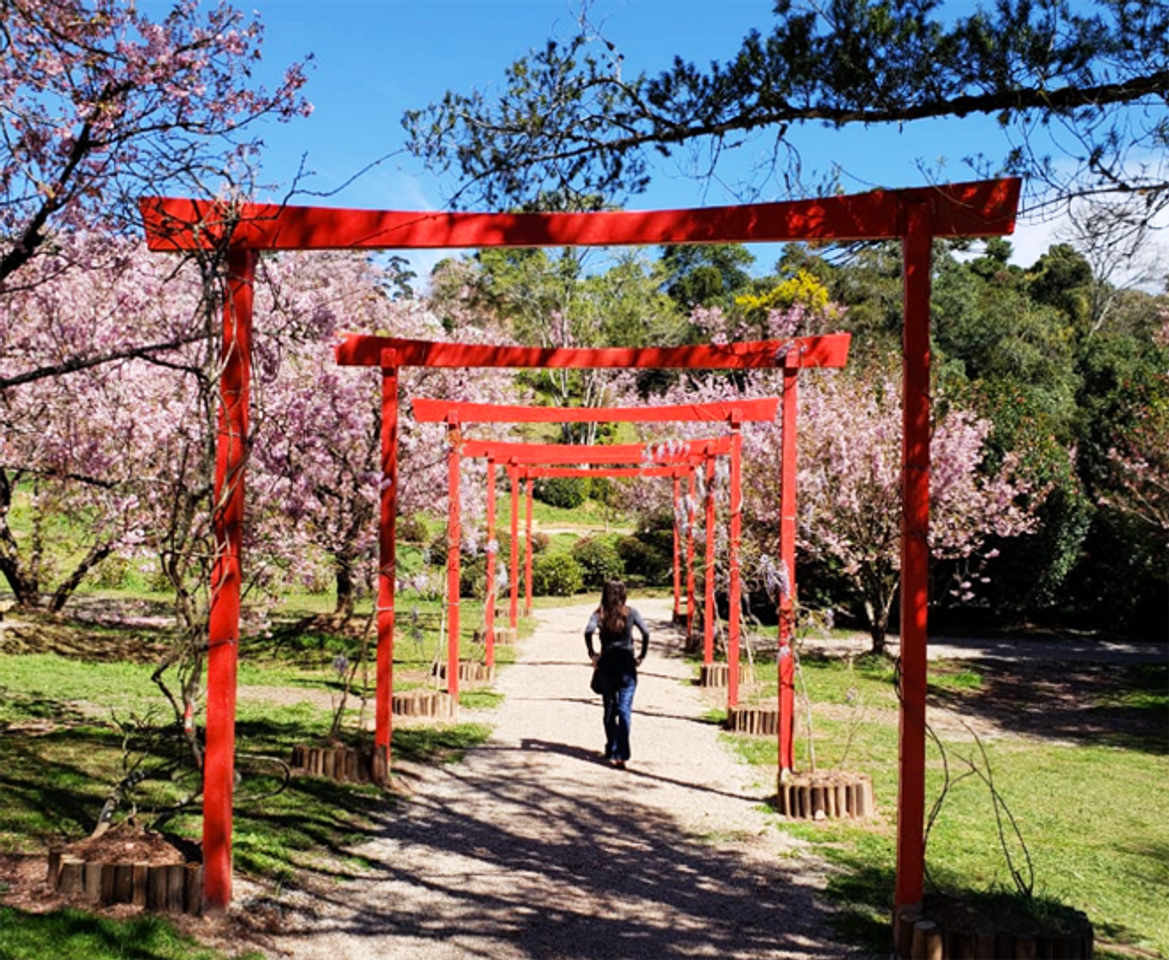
<point>618,718</point>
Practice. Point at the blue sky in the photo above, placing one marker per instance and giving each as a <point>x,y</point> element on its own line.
<point>374,59</point>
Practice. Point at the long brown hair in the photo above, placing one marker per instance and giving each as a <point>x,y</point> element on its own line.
<point>613,611</point>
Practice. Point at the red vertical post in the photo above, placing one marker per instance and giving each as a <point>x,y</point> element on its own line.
<point>226,579</point>
<point>454,521</point>
<point>787,556</point>
<point>514,473</point>
<point>711,611</point>
<point>691,509</point>
<point>528,550</point>
<point>489,602</point>
<point>915,514</point>
<point>733,617</point>
<point>387,570</point>
<point>677,552</point>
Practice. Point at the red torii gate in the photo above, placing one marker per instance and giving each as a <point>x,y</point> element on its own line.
<point>833,351</point>
<point>525,456</point>
<point>913,216</point>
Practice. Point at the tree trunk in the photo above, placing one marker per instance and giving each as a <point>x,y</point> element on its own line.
<point>878,590</point>
<point>346,588</point>
<point>23,583</point>
<point>97,553</point>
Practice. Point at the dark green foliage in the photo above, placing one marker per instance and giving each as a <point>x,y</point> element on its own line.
<point>576,120</point>
<point>645,560</point>
<point>413,529</point>
<point>706,275</point>
<point>473,577</point>
<point>556,575</point>
<point>564,492</point>
<point>599,561</point>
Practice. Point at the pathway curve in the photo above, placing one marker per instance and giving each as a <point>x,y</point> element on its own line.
<point>532,848</point>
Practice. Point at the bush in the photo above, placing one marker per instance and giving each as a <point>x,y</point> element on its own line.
<point>643,562</point>
<point>566,492</point>
<point>540,542</point>
<point>556,575</point>
<point>473,577</point>
<point>413,529</point>
<point>599,561</point>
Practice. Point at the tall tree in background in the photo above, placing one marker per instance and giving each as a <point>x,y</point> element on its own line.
<point>572,119</point>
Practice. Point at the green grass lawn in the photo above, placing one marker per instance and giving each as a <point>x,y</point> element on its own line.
<point>61,749</point>
<point>1089,800</point>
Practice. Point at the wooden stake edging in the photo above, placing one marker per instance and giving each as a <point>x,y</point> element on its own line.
<point>826,795</point>
<point>926,936</point>
<point>157,887</point>
<point>717,674</point>
<point>472,671</point>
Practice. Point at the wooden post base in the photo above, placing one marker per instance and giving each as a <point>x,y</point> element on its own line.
<point>947,931</point>
<point>759,719</point>
<point>719,674</point>
<point>159,887</point>
<point>424,702</point>
<point>826,795</point>
<point>470,671</point>
<point>343,764</point>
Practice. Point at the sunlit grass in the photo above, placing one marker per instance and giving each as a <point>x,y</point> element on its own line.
<point>1094,817</point>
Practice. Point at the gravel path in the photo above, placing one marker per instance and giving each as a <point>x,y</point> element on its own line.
<point>531,848</point>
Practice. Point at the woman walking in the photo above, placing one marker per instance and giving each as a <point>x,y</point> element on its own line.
<point>615,666</point>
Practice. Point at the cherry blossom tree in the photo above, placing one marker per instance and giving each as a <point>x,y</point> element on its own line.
<point>848,492</point>
<point>318,444</point>
<point>82,445</point>
<point>100,105</point>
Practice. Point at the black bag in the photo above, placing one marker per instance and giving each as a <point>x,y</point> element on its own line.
<point>599,683</point>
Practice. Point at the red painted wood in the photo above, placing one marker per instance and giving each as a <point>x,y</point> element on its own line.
<point>602,471</point>
<point>692,493</point>
<point>513,612</point>
<point>708,620</point>
<point>489,602</point>
<point>787,552</point>
<point>454,521</point>
<point>980,208</point>
<point>387,564</point>
<point>984,208</point>
<point>915,509</point>
<point>528,552</point>
<point>428,410</point>
<point>226,578</point>
<point>734,590</point>
<point>677,552</point>
<point>827,351</point>
<point>555,454</point>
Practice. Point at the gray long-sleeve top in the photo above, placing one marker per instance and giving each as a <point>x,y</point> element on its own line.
<point>621,641</point>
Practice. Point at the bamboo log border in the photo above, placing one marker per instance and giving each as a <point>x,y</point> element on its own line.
<point>918,937</point>
<point>157,887</point>
<point>719,674</point>
<point>470,671</point>
<point>423,702</point>
<point>827,795</point>
<point>757,719</point>
<point>343,764</point>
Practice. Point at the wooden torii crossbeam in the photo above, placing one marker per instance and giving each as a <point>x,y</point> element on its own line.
<point>518,457</point>
<point>913,216</point>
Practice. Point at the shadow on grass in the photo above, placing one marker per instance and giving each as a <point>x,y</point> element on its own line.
<point>1090,703</point>
<point>70,933</point>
